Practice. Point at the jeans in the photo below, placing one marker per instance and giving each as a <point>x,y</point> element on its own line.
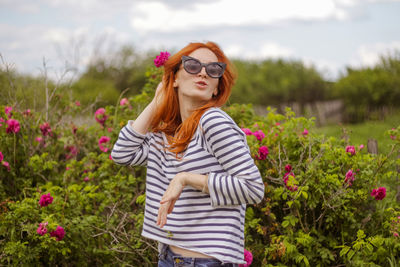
<point>169,259</point>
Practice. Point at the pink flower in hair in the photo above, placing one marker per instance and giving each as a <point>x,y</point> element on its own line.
<point>161,59</point>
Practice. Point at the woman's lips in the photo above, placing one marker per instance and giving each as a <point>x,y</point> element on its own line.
<point>201,84</point>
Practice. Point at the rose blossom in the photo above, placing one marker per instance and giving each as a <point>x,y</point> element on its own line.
<point>288,167</point>
<point>13,126</point>
<point>350,176</point>
<point>8,111</point>
<point>379,193</point>
<point>59,233</point>
<point>259,135</point>
<point>351,150</point>
<point>1,156</point>
<point>77,103</point>
<point>248,257</point>
<point>396,234</point>
<point>286,180</point>
<point>305,132</point>
<point>1,121</point>
<point>100,116</point>
<point>124,101</point>
<point>42,228</point>
<point>262,153</point>
<point>45,129</point>
<point>72,151</point>
<point>45,200</point>
<point>161,59</point>
<point>6,164</point>
<point>103,140</point>
<point>247,131</point>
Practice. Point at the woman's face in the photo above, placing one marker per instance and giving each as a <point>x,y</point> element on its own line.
<point>197,88</point>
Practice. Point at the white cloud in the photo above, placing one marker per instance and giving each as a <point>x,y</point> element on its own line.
<point>369,54</point>
<point>264,51</point>
<point>158,16</point>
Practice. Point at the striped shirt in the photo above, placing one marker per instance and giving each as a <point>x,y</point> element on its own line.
<point>212,223</point>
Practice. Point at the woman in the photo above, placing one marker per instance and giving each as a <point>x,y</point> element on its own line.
<point>200,174</point>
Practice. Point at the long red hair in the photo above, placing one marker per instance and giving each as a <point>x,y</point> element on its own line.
<point>167,118</point>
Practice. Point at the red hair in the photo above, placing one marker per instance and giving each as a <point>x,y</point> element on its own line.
<point>167,118</point>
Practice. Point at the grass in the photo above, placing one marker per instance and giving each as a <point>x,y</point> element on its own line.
<point>361,132</point>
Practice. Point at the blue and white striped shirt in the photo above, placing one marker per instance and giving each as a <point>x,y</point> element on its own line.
<point>212,224</point>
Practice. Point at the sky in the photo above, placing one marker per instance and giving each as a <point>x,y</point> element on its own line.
<point>327,34</point>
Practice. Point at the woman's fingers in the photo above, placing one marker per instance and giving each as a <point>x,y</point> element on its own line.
<point>162,214</point>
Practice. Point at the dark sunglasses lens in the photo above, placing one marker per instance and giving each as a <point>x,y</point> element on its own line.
<point>192,66</point>
<point>214,70</point>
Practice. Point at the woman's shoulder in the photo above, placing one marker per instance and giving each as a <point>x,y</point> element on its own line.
<point>215,115</point>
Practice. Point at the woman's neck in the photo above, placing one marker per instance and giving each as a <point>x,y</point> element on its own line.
<point>186,108</point>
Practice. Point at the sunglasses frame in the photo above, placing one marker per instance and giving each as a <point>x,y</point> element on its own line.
<point>205,65</point>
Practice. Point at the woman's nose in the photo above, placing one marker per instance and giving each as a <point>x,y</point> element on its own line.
<point>203,72</point>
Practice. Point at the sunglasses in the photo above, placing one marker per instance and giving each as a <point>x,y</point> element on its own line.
<point>193,66</point>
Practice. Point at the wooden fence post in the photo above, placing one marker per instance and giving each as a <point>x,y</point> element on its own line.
<point>372,146</point>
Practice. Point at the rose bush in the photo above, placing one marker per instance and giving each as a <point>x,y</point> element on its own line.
<point>320,207</point>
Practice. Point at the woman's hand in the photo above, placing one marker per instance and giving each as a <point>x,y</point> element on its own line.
<point>169,198</point>
<point>158,96</point>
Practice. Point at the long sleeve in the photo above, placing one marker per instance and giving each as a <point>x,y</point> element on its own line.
<point>131,148</point>
<point>241,183</point>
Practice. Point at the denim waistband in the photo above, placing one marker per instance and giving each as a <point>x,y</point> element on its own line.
<point>179,260</point>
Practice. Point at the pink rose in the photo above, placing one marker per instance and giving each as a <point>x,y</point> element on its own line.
<point>288,167</point>
<point>77,103</point>
<point>350,176</point>
<point>6,164</point>
<point>59,233</point>
<point>123,102</point>
<point>13,126</point>
<point>86,179</point>
<point>351,150</point>
<point>248,257</point>
<point>379,193</point>
<point>72,151</point>
<point>109,156</point>
<point>42,230</point>
<point>286,178</point>
<point>305,132</point>
<point>45,200</point>
<point>262,153</point>
<point>100,116</point>
<point>103,140</point>
<point>395,234</point>
<point>8,111</point>
<point>1,121</point>
<point>161,59</point>
<point>1,156</point>
<point>45,129</point>
<point>259,135</point>
<point>361,146</point>
<point>247,131</point>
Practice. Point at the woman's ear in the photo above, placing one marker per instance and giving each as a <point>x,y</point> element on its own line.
<point>175,84</point>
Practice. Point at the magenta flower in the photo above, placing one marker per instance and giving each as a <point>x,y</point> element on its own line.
<point>42,230</point>
<point>287,179</point>
<point>288,167</point>
<point>45,200</point>
<point>395,234</point>
<point>86,179</point>
<point>379,193</point>
<point>305,132</point>
<point>350,176</point>
<point>351,150</point>
<point>248,257</point>
<point>1,121</point>
<point>13,126</point>
<point>259,135</point>
<point>262,153</point>
<point>77,103</point>
<point>8,111</point>
<point>6,164</point>
<point>361,146</point>
<point>100,116</point>
<point>103,140</point>
<point>45,129</point>
<point>72,151</point>
<point>1,156</point>
<point>124,101</point>
<point>247,131</point>
<point>59,233</point>
<point>161,59</point>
